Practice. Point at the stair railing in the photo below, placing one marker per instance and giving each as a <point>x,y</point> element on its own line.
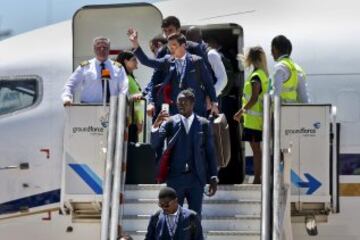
<point>119,167</point>
<point>105,211</point>
<point>275,194</point>
<point>266,172</point>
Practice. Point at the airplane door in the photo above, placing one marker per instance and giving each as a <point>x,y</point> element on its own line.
<point>83,165</point>
<point>113,21</point>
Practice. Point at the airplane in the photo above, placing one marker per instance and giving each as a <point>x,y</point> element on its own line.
<point>35,65</point>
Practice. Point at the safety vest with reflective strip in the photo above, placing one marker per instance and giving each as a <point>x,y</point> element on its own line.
<point>253,118</point>
<point>289,87</point>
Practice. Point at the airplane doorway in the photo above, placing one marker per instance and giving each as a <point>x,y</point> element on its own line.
<point>227,39</point>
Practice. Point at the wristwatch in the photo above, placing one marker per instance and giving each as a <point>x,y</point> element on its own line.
<point>215,178</point>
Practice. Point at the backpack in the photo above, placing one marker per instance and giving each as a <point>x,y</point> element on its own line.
<point>229,73</point>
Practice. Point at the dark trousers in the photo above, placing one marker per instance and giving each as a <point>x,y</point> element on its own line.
<point>188,186</point>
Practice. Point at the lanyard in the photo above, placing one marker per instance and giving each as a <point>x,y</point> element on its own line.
<point>172,229</point>
<point>182,72</point>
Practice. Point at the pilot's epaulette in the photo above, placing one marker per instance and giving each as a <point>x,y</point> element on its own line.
<point>117,64</point>
<point>84,63</point>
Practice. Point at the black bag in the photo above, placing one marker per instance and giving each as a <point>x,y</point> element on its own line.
<point>133,130</point>
<point>141,165</point>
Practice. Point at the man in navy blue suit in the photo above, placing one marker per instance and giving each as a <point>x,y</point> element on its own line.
<point>183,71</point>
<point>192,161</point>
<point>169,26</point>
<point>172,221</point>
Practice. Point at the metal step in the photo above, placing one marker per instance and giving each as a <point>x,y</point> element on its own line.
<point>87,211</point>
<point>210,207</point>
<point>213,235</point>
<point>224,192</point>
<point>209,223</point>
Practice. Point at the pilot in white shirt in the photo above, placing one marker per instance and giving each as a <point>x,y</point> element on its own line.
<point>88,76</point>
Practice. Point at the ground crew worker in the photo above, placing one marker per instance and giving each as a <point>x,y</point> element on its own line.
<point>288,80</point>
<point>88,76</point>
<point>255,87</point>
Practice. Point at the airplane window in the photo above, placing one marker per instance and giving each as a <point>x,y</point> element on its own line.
<point>17,94</point>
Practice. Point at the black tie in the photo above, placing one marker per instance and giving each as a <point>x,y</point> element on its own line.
<point>103,83</point>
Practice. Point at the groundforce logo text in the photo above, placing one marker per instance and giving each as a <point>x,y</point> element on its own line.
<point>304,131</point>
<point>311,131</point>
<point>89,129</point>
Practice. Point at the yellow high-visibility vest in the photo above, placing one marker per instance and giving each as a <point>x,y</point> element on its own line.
<point>253,118</point>
<point>289,88</point>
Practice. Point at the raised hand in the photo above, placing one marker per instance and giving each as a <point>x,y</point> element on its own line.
<point>133,37</point>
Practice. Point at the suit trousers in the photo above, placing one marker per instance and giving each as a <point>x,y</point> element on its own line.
<point>188,186</point>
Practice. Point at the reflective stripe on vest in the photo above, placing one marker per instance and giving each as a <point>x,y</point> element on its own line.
<point>253,113</point>
<point>249,111</point>
<point>289,87</point>
<point>253,117</point>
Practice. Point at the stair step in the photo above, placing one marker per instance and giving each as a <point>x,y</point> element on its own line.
<point>224,192</point>
<point>234,223</point>
<point>210,207</point>
<point>213,235</point>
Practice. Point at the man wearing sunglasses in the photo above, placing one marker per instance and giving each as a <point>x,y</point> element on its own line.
<point>173,222</point>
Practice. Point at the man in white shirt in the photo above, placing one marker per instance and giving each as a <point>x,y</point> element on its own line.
<point>217,67</point>
<point>288,80</point>
<point>89,77</point>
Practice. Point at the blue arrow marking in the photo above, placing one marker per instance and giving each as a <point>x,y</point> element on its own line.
<point>312,183</point>
<point>88,176</point>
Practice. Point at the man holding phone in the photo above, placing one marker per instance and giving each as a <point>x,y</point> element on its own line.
<point>192,161</point>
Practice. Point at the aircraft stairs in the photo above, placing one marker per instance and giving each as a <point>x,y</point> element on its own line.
<point>233,213</point>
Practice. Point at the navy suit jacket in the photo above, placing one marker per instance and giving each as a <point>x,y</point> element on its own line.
<point>158,76</point>
<point>189,81</point>
<point>158,230</point>
<point>203,148</point>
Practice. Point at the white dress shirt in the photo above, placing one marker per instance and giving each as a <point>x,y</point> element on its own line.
<point>88,78</point>
<point>218,69</point>
<point>187,122</point>
<point>180,65</point>
<point>281,75</point>
<point>172,221</point>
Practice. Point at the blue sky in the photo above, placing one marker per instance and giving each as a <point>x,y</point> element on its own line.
<point>24,15</point>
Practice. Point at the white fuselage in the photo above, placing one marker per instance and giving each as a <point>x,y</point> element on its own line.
<point>325,37</point>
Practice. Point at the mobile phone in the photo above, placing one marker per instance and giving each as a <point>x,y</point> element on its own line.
<point>165,107</point>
